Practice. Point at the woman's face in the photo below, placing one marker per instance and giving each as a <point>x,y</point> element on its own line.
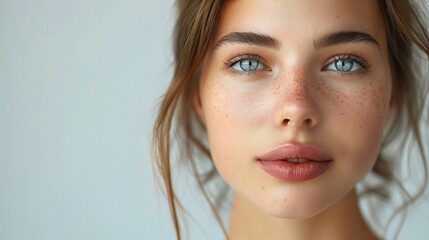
<point>295,96</point>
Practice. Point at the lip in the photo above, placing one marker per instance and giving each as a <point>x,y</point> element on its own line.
<point>274,162</point>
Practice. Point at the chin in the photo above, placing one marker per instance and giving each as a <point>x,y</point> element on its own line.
<point>299,204</point>
<point>293,212</point>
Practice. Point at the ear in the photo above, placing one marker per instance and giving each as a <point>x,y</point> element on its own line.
<point>196,100</point>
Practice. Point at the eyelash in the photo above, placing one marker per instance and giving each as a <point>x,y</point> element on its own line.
<point>344,57</point>
<point>349,57</point>
<point>231,61</point>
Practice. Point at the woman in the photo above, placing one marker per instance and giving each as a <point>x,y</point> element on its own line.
<point>298,100</point>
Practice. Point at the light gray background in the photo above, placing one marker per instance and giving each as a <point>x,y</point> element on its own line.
<point>79,82</point>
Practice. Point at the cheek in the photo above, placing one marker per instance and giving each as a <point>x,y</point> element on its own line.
<point>219,104</point>
<point>356,122</point>
<point>231,114</point>
<point>362,111</point>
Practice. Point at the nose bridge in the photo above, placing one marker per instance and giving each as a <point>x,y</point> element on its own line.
<point>295,100</point>
<point>293,87</point>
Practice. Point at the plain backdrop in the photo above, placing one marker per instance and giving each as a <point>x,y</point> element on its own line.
<point>79,84</point>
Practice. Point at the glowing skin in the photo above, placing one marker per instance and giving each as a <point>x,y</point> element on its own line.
<point>295,92</point>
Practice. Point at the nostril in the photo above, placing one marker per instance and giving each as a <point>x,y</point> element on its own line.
<point>285,122</point>
<point>307,121</point>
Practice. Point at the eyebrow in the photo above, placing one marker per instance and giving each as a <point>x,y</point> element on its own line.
<point>335,38</point>
<point>343,37</point>
<point>251,38</point>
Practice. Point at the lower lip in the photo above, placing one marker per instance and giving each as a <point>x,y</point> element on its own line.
<point>304,171</point>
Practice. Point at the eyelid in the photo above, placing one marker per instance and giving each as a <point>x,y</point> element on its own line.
<point>231,61</point>
<point>354,57</point>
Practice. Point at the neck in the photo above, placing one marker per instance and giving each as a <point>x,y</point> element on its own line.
<point>343,220</point>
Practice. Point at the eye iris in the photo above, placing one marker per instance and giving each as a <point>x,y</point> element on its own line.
<point>249,64</point>
<point>343,65</point>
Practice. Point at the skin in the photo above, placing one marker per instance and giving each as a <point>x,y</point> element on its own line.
<point>296,96</point>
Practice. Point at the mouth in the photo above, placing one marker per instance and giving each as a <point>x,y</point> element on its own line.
<point>295,162</point>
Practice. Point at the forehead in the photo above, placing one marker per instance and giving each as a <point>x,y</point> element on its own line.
<point>285,19</point>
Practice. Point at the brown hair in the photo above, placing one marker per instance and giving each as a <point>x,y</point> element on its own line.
<point>177,121</point>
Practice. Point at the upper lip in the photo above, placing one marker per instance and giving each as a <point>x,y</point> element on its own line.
<point>294,151</point>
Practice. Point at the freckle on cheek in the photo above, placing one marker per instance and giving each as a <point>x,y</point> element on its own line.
<point>216,102</point>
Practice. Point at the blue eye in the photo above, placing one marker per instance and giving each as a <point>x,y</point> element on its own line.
<point>347,64</point>
<point>247,65</point>
<point>344,66</point>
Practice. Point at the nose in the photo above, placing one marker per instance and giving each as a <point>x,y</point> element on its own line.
<point>295,104</point>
